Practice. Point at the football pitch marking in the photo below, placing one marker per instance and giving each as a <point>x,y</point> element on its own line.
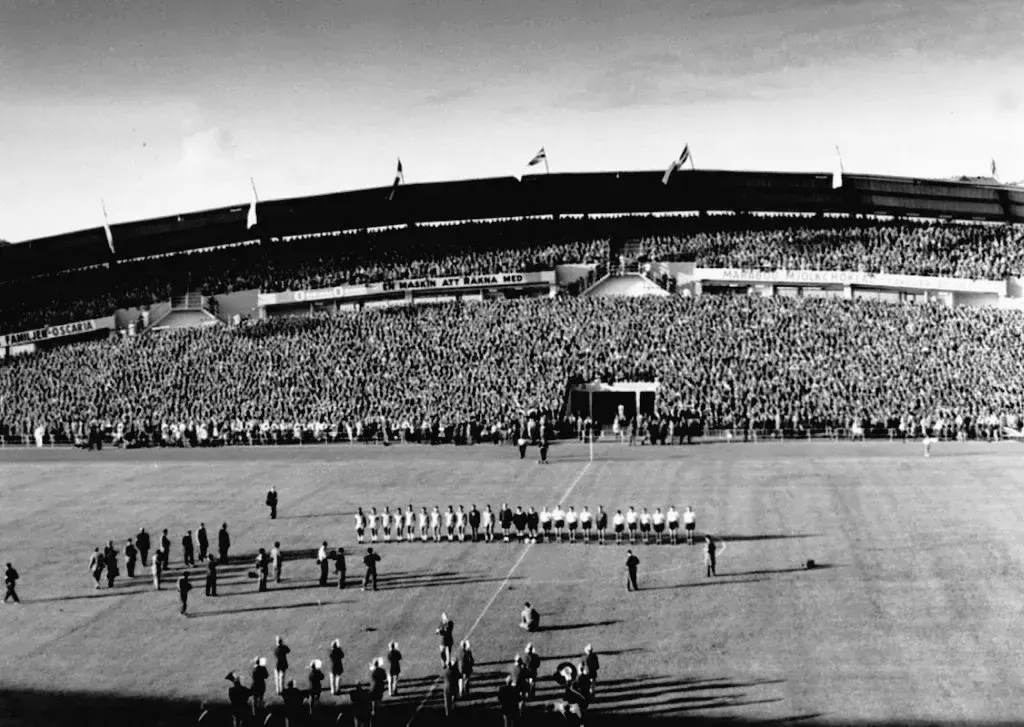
<point>501,587</point>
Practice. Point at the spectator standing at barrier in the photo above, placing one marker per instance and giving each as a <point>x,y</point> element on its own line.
<point>142,543</point>
<point>238,697</point>
<point>224,545</point>
<point>281,652</point>
<point>130,554</point>
<point>632,563</point>
<point>10,583</point>
<point>211,577</point>
<point>370,560</point>
<point>204,541</point>
<point>272,502</point>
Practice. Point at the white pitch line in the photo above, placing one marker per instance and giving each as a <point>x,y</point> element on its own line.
<point>497,593</point>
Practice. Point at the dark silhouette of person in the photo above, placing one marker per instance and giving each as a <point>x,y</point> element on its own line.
<point>370,560</point>
<point>10,582</point>
<point>272,503</point>
<point>632,563</point>
<point>204,541</point>
<point>223,543</point>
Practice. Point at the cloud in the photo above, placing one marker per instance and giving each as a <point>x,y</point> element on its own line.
<point>210,147</point>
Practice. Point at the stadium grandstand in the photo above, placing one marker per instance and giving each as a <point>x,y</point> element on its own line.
<point>744,303</point>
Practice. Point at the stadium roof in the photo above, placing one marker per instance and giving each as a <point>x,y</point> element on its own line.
<point>507,197</point>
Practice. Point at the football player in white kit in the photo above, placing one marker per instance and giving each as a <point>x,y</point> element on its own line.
<point>673,523</point>
<point>374,523</point>
<point>689,523</point>
<point>487,524</point>
<point>460,524</point>
<point>410,524</point>
<point>631,518</point>
<point>435,524</point>
<point>572,521</point>
<point>545,525</point>
<point>423,524</point>
<point>385,524</point>
<point>360,525</point>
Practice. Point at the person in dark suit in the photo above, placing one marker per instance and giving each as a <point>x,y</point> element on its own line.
<point>211,576</point>
<point>188,549</point>
<point>223,543</point>
<point>204,541</point>
<point>259,682</point>
<point>474,522</point>
<point>10,581</point>
<point>339,567</point>
<point>378,684</point>
<point>323,559</point>
<point>592,663</point>
<point>184,586</point>
<point>165,548</point>
<point>336,656</point>
<point>632,563</point>
<point>130,555</point>
<point>370,560</point>
<point>262,569</point>
<point>110,563</point>
<point>272,502</point>
<point>142,543</point>
<point>446,631</point>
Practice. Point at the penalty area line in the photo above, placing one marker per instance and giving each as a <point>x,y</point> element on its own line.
<point>504,584</point>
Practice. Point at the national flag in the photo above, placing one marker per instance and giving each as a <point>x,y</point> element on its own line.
<point>106,228</point>
<point>250,220</point>
<point>837,173</point>
<point>399,179</point>
<point>676,165</point>
<point>539,157</point>
<point>995,174</point>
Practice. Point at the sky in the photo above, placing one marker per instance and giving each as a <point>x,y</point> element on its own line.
<point>161,108</point>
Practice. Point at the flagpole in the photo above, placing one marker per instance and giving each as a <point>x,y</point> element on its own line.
<point>547,169</point>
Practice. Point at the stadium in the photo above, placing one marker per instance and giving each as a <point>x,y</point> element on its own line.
<point>775,350</point>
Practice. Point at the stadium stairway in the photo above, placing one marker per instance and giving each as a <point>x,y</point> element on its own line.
<point>191,310</point>
<point>632,285</point>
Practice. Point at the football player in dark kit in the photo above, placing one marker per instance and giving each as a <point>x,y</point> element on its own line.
<point>519,519</point>
<point>474,522</point>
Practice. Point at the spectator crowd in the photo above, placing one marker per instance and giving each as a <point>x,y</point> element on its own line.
<point>476,372</point>
<point>917,248</point>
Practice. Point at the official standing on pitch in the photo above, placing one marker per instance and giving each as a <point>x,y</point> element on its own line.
<point>223,543</point>
<point>204,541</point>
<point>183,588</point>
<point>110,558</point>
<point>324,563</point>
<point>474,523</point>
<point>130,554</point>
<point>165,548</point>
<point>394,668</point>
<point>339,568</point>
<point>10,581</point>
<point>211,576</point>
<point>188,549</point>
<point>632,563</point>
<point>142,543</point>
<point>370,560</point>
<point>709,555</point>
<point>272,502</point>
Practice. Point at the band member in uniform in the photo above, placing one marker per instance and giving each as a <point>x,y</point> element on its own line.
<point>10,582</point>
<point>529,618</point>
<point>673,524</point>
<point>394,658</point>
<point>618,524</point>
<point>223,543</point>
<point>449,523</point>
<point>631,518</point>
<point>142,543</point>
<point>184,586</point>
<point>532,521</point>
<point>545,524</point>
<point>474,523</point>
<point>336,656</point>
<point>281,652</point>
<point>370,560</point>
<point>211,576</point>
<point>632,563</point>
<point>130,554</point>
<point>658,523</point>
<point>446,631</point>
<point>487,523</point>
<point>373,521</point>
<point>558,516</point>
<point>689,523</point>
<point>645,526</point>
<point>505,517</point>
<point>572,522</point>
<point>360,525</point>
<point>519,521</point>
<point>602,523</point>
<point>466,664</point>
<point>204,541</point>
<point>709,555</point>
<point>586,521</point>
<point>272,502</point>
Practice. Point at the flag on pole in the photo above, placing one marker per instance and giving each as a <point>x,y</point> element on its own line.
<point>837,173</point>
<point>541,156</point>
<point>676,165</point>
<point>995,174</point>
<point>250,220</point>
<point>399,179</point>
<point>106,228</point>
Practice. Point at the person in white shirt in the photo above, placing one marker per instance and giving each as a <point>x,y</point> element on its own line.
<point>460,524</point>
<point>423,524</point>
<point>487,524</point>
<point>374,522</point>
<point>410,524</point>
<point>435,524</point>
<point>449,523</point>
<point>586,520</point>
<point>689,523</point>
<point>558,515</point>
<point>658,521</point>
<point>631,518</point>
<point>545,524</point>
<point>360,525</point>
<point>619,524</point>
<point>645,526</point>
<point>572,520</point>
<point>673,523</point>
<point>385,524</point>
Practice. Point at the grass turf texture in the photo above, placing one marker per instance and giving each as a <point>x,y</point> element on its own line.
<point>912,615</point>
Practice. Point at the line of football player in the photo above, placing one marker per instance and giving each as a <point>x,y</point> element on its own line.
<point>554,525</point>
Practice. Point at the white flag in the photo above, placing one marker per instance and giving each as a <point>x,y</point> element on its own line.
<point>837,173</point>
<point>106,228</point>
<point>250,220</point>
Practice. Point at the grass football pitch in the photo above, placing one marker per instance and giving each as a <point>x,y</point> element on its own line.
<point>913,615</point>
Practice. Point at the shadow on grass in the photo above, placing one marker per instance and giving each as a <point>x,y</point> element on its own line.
<point>575,626</point>
<point>716,581</point>
<point>774,571</point>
